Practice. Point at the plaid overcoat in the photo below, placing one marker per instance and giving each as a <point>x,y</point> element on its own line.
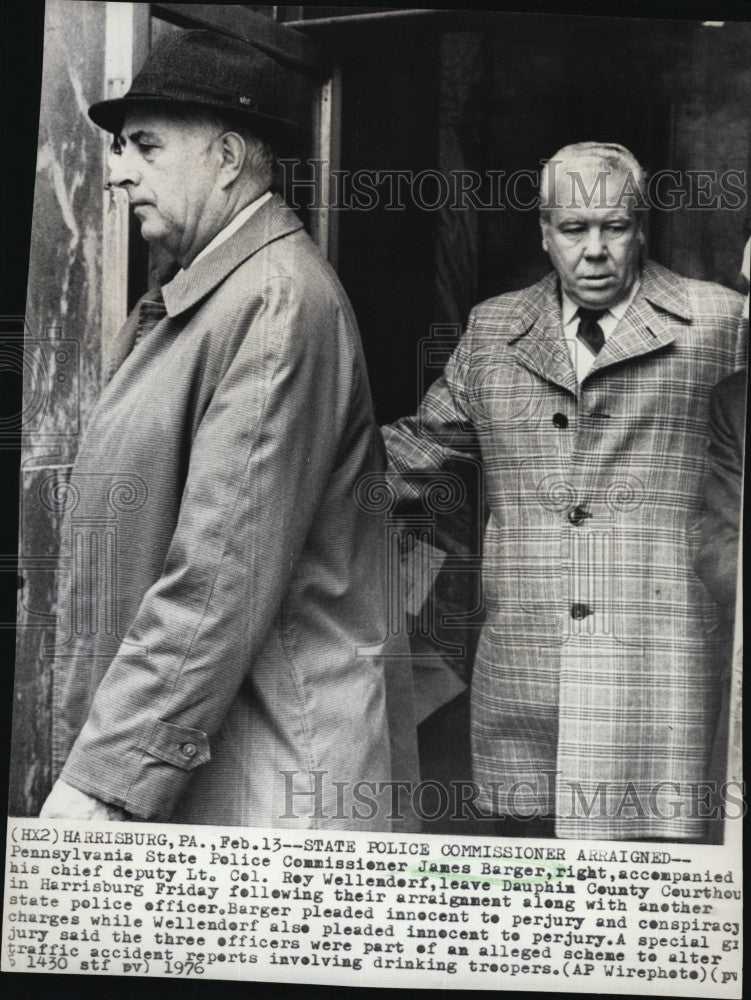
<point>595,685</point>
<point>222,617</point>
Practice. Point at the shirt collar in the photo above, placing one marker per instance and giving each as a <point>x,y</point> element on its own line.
<point>570,309</point>
<point>232,226</point>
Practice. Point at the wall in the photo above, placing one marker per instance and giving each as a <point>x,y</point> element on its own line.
<point>63,354</point>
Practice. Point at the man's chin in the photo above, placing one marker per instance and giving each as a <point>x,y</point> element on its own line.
<point>150,233</point>
<point>151,228</point>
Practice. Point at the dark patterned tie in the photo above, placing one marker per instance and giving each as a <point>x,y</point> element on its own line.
<point>590,331</point>
<point>152,310</point>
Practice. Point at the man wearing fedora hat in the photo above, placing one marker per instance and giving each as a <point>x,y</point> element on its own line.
<point>241,677</point>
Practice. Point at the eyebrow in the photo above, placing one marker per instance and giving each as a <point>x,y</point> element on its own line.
<point>612,215</point>
<point>140,134</point>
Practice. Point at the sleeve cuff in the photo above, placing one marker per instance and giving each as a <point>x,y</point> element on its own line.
<point>146,779</point>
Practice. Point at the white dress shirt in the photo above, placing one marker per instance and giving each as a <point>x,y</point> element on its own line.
<point>581,356</point>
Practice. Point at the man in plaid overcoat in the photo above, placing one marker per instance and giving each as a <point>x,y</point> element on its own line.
<point>595,685</point>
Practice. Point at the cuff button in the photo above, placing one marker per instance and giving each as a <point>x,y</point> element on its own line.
<point>189,749</point>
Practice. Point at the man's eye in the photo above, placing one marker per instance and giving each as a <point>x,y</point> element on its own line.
<point>572,230</point>
<point>146,147</point>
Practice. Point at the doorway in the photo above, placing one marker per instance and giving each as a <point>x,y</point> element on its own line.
<point>426,101</point>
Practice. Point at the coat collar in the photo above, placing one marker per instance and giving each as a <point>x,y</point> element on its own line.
<point>271,222</point>
<point>646,327</point>
<point>537,334</point>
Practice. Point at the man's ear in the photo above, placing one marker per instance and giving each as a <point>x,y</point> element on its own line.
<point>543,230</point>
<point>233,157</point>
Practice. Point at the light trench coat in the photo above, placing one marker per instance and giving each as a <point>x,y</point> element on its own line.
<point>596,682</point>
<point>221,654</point>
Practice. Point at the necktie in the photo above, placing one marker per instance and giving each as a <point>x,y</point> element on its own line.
<point>151,312</point>
<point>590,331</point>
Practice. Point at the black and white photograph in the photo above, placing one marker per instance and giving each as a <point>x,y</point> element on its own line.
<point>379,422</point>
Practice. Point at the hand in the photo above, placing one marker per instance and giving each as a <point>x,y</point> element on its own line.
<point>67,802</point>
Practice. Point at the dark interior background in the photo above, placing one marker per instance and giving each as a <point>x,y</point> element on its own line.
<point>471,93</point>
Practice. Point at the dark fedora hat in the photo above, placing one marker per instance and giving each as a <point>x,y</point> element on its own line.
<point>212,72</point>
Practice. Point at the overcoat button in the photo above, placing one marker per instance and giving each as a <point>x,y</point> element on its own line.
<point>580,611</point>
<point>560,420</point>
<point>578,514</point>
<point>189,749</point>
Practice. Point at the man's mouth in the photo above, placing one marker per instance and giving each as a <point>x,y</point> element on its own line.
<point>596,279</point>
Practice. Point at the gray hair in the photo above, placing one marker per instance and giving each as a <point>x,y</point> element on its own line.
<point>260,158</point>
<point>614,159</point>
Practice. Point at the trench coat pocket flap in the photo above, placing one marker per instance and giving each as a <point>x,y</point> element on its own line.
<point>179,745</point>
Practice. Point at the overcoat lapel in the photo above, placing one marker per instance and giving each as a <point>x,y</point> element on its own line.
<point>646,325</point>
<point>641,331</point>
<point>538,342</point>
<point>271,222</point>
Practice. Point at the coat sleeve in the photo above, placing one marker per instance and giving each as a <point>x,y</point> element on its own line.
<point>717,559</point>
<point>259,465</point>
<point>441,433</point>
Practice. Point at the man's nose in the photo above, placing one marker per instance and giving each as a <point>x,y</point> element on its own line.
<point>121,169</point>
<point>595,245</point>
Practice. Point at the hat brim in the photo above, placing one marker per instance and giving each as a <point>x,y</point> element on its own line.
<point>110,115</point>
